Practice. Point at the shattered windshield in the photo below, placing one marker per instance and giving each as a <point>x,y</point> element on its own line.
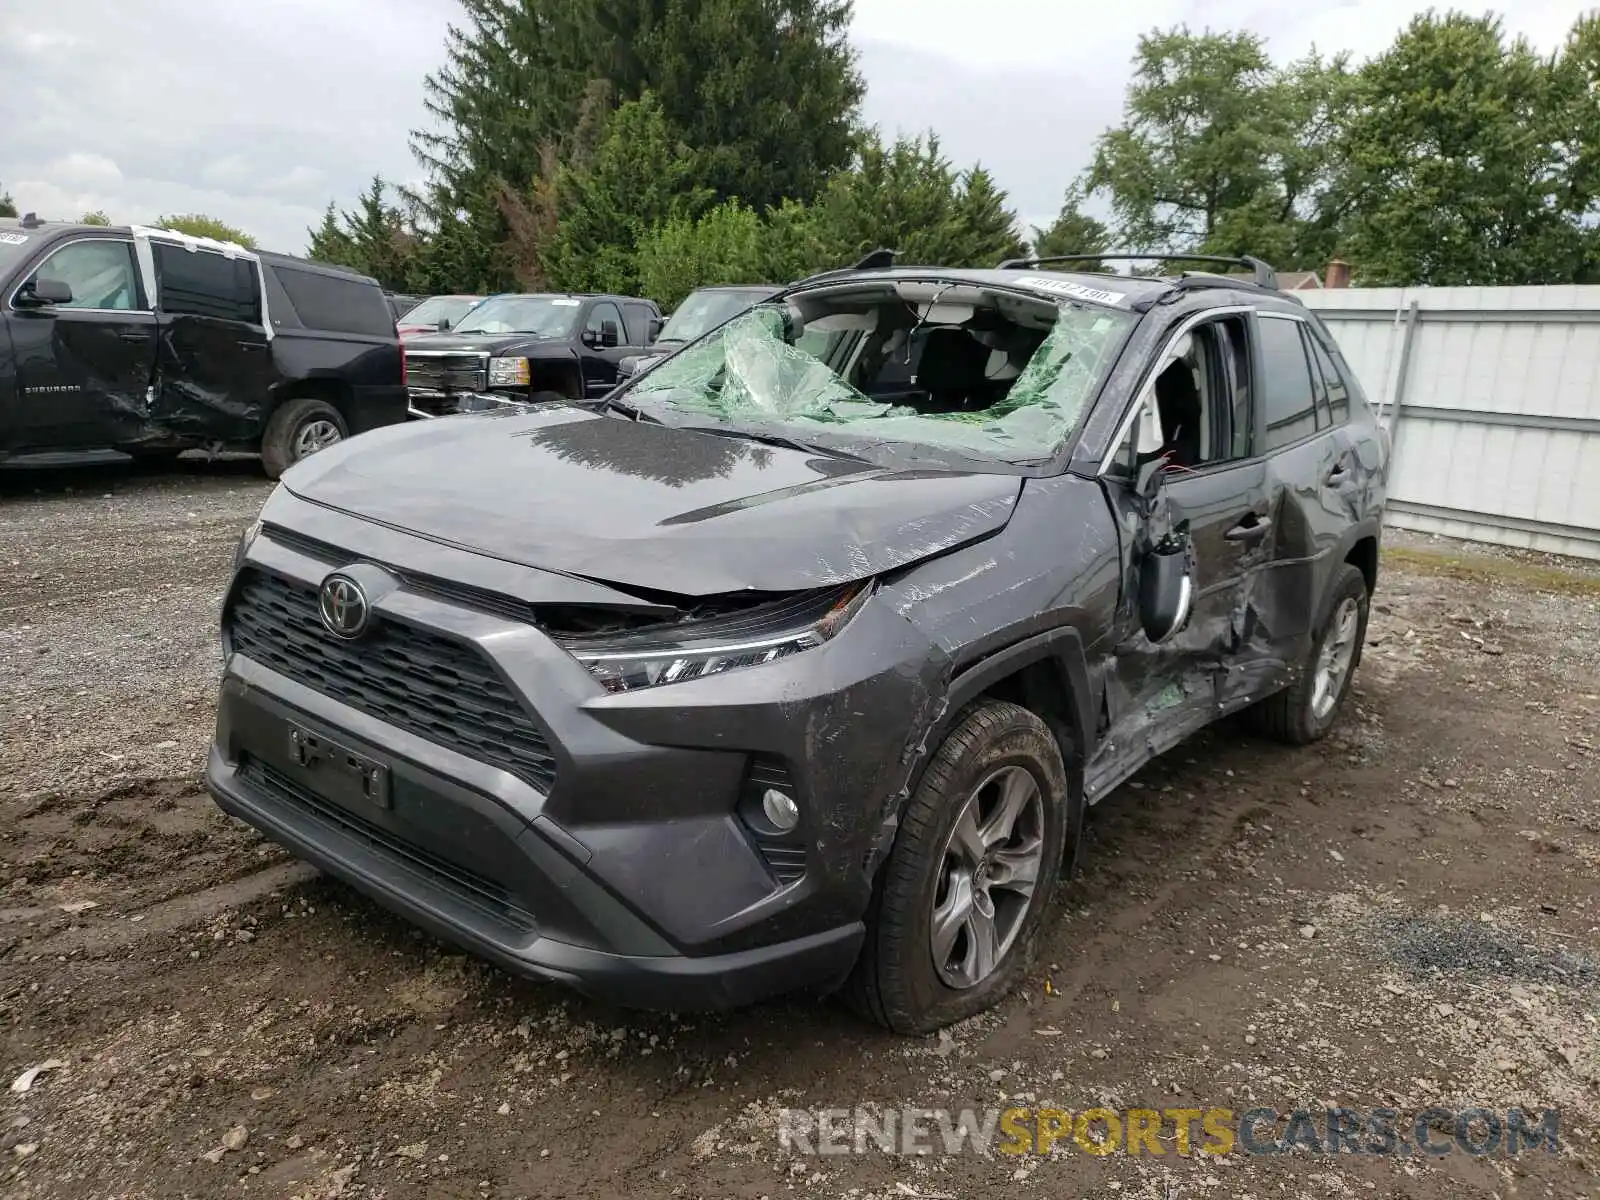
<point>1007,385</point>
<point>703,311</point>
<point>543,316</point>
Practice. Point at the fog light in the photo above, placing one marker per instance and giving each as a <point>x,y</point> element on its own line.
<point>780,809</point>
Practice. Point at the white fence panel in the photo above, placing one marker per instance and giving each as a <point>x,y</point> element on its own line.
<point>1493,398</point>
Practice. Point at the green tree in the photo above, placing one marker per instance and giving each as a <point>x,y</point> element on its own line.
<point>200,225</point>
<point>97,217</point>
<point>908,197</point>
<point>763,93</point>
<point>1465,162</point>
<point>723,245</point>
<point>377,238</point>
<point>1220,152</point>
<point>1073,232</point>
<point>329,241</point>
<point>8,206</point>
<point>637,177</point>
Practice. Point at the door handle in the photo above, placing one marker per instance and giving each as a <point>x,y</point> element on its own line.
<point>1251,529</point>
<point>134,337</point>
<point>243,345</point>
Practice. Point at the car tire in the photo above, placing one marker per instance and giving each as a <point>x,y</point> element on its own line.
<point>1306,710</point>
<point>905,979</point>
<point>298,429</point>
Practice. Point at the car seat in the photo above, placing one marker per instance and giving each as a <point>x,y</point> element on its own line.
<point>1178,402</point>
<point>953,370</point>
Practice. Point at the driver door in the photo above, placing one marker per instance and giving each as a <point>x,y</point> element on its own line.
<point>1159,693</point>
<point>601,348</point>
<point>84,367</point>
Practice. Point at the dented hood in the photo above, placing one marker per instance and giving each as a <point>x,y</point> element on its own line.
<point>650,507</point>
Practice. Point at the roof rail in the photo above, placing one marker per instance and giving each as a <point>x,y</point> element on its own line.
<point>876,261</point>
<point>1264,274</point>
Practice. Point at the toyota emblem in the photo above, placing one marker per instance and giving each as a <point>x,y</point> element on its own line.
<point>343,607</point>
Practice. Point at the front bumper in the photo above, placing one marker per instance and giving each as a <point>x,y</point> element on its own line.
<point>423,404</point>
<point>624,869</point>
<point>394,875</point>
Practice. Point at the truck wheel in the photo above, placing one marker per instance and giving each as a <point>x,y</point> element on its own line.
<point>298,430</point>
<point>1306,711</point>
<point>953,919</point>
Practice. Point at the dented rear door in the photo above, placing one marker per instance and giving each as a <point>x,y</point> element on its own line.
<point>215,369</point>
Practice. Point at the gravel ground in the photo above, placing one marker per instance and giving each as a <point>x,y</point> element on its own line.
<point>1403,916</point>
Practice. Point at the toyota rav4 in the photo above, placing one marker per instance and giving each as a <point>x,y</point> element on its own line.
<point>795,661</point>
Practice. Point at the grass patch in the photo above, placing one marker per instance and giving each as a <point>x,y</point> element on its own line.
<point>1534,576</point>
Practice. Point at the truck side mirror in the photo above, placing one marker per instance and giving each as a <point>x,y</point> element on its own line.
<point>656,326</point>
<point>609,335</point>
<point>41,293</point>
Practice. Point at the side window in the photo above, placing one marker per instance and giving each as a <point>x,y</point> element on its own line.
<point>1333,384</point>
<point>280,310</point>
<point>204,283</point>
<point>335,304</point>
<point>598,315</point>
<point>1196,411</point>
<point>638,319</point>
<point>1287,399</point>
<point>101,273</point>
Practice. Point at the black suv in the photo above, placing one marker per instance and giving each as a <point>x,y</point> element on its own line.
<point>152,343</point>
<point>528,349</point>
<point>797,659</point>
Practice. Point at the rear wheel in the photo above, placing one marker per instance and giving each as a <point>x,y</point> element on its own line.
<point>959,904</point>
<point>298,430</point>
<point>1306,711</point>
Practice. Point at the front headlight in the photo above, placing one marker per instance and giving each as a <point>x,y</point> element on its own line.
<point>695,649</point>
<point>508,372</point>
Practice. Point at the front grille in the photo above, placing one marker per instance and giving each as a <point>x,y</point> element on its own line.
<point>468,885</point>
<point>445,372</point>
<point>447,590</point>
<point>427,684</point>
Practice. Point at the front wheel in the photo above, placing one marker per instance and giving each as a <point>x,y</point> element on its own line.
<point>953,921</point>
<point>298,430</point>
<point>1305,711</point>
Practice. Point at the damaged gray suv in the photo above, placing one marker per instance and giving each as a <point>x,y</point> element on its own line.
<point>795,662</point>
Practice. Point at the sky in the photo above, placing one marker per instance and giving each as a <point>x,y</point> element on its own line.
<point>260,113</point>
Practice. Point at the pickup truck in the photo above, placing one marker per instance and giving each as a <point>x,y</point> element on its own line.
<point>528,349</point>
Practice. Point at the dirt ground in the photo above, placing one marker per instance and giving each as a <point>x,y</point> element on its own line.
<point>1403,916</point>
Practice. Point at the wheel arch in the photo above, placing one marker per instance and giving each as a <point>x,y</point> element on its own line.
<point>332,391</point>
<point>1046,673</point>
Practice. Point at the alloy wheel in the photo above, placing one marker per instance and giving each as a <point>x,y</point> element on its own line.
<point>988,873</point>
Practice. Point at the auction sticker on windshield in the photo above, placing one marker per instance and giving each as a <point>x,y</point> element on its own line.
<point>1078,291</point>
<point>564,303</point>
<point>13,239</point>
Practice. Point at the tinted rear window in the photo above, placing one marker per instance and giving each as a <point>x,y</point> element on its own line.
<point>336,304</point>
<point>204,283</point>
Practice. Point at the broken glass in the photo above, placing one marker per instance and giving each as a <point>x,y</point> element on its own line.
<point>749,371</point>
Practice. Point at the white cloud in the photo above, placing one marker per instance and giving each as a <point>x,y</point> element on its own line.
<point>260,113</point>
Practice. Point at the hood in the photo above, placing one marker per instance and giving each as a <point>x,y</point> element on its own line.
<point>481,343</point>
<point>649,507</point>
